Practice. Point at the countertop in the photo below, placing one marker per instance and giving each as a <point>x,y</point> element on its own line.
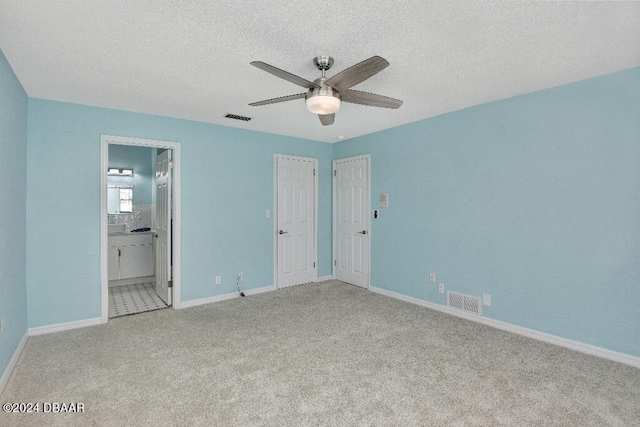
<point>129,233</point>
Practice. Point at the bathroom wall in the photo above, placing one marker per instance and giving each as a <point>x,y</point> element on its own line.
<point>142,161</point>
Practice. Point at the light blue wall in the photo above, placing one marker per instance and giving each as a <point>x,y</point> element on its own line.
<point>140,159</point>
<point>227,185</point>
<point>13,197</point>
<point>534,200</point>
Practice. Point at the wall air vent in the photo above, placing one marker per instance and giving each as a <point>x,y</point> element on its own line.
<point>466,303</point>
<point>236,117</point>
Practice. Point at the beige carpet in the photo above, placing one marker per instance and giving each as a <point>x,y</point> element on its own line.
<point>320,354</point>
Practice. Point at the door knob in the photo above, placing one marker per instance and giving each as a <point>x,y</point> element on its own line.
<point>362,232</point>
<point>282,232</point>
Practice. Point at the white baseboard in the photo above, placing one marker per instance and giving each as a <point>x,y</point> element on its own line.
<point>12,362</point>
<point>530,333</point>
<point>231,295</point>
<point>261,290</point>
<point>48,329</point>
<point>224,297</point>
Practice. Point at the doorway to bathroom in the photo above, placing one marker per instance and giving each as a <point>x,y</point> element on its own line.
<point>140,227</point>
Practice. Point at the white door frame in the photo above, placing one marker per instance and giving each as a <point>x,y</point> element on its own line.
<point>105,140</point>
<point>366,157</point>
<point>275,212</point>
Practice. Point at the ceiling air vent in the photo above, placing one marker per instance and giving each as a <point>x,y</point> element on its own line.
<point>236,117</point>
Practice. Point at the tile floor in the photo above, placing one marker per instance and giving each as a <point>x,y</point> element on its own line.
<point>132,299</point>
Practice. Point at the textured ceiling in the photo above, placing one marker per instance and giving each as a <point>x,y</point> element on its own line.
<point>190,59</point>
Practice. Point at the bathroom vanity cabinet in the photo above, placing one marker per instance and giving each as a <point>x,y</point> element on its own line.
<point>130,255</point>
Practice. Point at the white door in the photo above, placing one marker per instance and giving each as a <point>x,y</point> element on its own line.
<point>163,226</point>
<point>296,217</point>
<point>351,220</point>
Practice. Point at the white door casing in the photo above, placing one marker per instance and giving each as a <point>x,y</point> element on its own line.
<point>163,226</point>
<point>296,211</point>
<point>351,221</point>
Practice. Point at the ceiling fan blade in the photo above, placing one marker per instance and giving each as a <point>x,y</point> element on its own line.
<point>357,73</point>
<point>280,99</point>
<point>327,119</point>
<point>285,75</point>
<point>371,99</point>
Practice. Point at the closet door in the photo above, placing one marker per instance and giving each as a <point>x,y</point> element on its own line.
<point>351,207</point>
<point>296,221</point>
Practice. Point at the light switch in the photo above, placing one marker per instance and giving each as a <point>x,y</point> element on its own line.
<point>384,200</point>
<point>486,300</point>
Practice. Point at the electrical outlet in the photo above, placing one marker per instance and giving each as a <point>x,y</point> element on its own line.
<point>432,277</point>
<point>239,277</point>
<point>218,280</point>
<point>1,324</point>
<point>441,288</point>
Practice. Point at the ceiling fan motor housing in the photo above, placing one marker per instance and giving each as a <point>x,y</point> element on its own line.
<point>323,100</point>
<point>323,90</point>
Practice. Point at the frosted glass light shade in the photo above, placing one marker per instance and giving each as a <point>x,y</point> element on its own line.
<point>323,104</point>
<point>120,172</point>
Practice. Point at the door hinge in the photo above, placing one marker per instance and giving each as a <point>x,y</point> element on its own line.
<point>314,265</point>
<point>170,284</point>
<point>314,172</point>
<point>334,172</point>
<point>335,262</point>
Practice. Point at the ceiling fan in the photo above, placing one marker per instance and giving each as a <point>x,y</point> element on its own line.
<point>324,95</point>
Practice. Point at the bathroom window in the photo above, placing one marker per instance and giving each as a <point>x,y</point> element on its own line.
<point>120,200</point>
<point>126,200</point>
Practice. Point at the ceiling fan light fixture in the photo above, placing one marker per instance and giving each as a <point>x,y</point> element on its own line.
<point>323,104</point>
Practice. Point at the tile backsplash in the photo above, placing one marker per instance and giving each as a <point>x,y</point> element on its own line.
<point>140,217</point>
